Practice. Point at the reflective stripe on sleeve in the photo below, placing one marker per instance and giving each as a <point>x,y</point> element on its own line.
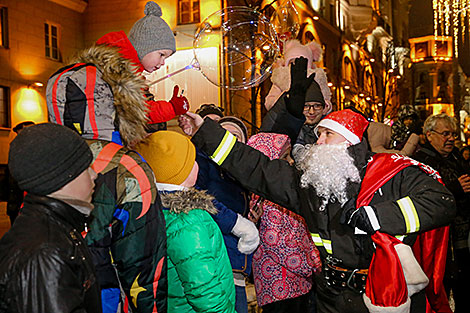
<point>319,242</point>
<point>224,148</point>
<point>409,213</point>
<point>372,217</point>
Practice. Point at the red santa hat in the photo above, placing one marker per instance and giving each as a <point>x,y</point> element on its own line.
<point>394,276</point>
<point>349,124</point>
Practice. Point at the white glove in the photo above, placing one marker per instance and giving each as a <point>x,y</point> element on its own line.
<point>248,234</point>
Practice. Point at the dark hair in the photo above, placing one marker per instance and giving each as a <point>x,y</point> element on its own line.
<point>210,108</point>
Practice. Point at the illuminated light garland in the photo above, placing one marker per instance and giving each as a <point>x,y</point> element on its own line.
<point>448,15</point>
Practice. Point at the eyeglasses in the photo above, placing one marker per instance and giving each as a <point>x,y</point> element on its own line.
<point>447,134</point>
<point>315,106</point>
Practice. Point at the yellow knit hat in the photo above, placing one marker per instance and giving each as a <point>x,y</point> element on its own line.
<point>170,155</point>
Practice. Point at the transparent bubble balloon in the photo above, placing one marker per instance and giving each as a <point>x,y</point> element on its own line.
<point>246,43</point>
<point>286,21</point>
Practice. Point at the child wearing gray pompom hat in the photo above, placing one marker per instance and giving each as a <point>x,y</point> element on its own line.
<point>151,33</point>
<point>149,43</point>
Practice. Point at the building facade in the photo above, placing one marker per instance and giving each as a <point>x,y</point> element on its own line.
<point>365,46</point>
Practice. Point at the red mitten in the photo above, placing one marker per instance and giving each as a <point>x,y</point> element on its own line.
<point>180,103</point>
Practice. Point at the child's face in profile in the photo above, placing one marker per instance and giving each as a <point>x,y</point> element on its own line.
<point>154,60</point>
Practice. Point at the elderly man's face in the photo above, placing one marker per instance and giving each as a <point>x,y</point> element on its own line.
<point>442,138</point>
<point>329,137</point>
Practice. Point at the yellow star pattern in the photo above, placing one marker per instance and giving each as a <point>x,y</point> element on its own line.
<point>135,290</point>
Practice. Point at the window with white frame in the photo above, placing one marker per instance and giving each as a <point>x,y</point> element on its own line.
<point>5,107</point>
<point>51,39</point>
<point>3,27</point>
<point>188,12</point>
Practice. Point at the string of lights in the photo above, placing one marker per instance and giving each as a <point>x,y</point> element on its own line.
<point>451,18</point>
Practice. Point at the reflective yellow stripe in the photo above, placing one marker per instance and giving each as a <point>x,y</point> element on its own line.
<point>327,245</point>
<point>224,148</point>
<point>316,239</point>
<point>409,213</point>
<point>320,242</point>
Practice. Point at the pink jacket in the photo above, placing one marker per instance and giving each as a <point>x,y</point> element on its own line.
<point>286,258</point>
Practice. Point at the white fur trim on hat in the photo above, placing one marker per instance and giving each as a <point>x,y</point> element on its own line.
<point>416,279</point>
<point>404,308</point>
<point>340,129</point>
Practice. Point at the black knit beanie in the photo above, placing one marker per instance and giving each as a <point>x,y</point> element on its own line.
<point>45,157</point>
<point>209,108</point>
<point>314,94</point>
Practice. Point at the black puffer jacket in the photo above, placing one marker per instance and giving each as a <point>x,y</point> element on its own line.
<point>45,265</point>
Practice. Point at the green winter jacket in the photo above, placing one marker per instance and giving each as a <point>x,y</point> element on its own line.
<point>199,273</point>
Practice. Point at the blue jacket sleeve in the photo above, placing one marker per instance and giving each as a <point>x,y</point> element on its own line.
<point>225,219</point>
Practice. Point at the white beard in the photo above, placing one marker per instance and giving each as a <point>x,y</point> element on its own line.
<point>328,168</point>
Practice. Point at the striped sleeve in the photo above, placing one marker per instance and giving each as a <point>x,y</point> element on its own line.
<point>224,148</point>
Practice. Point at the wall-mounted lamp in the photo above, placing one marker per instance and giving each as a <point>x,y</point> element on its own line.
<point>36,85</point>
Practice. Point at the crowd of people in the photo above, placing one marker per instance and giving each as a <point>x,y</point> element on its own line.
<point>323,210</point>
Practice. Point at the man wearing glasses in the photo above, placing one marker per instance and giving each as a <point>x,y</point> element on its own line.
<point>314,110</point>
<point>439,152</point>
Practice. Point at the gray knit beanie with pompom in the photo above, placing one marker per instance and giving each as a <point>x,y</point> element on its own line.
<point>151,33</point>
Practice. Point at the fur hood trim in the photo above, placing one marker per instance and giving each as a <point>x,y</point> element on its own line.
<point>183,201</point>
<point>127,86</point>
<point>281,78</point>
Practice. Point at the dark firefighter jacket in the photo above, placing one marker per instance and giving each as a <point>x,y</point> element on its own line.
<point>408,203</point>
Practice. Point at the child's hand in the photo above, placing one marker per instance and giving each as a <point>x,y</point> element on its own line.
<point>180,103</point>
<point>190,123</point>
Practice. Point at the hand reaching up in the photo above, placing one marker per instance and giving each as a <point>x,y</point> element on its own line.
<point>190,123</point>
<point>180,103</point>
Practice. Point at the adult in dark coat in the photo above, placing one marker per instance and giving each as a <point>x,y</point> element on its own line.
<point>323,189</point>
<point>440,153</point>
<point>45,265</point>
<point>329,212</point>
